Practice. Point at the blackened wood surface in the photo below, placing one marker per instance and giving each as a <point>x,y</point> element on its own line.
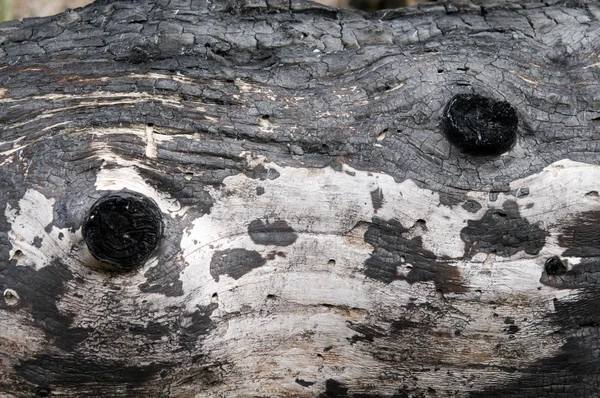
<point>321,235</point>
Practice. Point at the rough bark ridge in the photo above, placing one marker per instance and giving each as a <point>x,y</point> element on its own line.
<point>320,235</point>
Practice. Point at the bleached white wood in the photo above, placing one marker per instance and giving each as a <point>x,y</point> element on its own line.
<point>323,206</point>
<point>28,225</point>
<point>293,308</point>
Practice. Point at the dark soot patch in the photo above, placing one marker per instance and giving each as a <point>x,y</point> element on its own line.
<point>503,232</point>
<point>40,292</point>
<point>334,389</point>
<point>262,173</point>
<point>187,192</point>
<point>304,383</point>
<point>471,206</point>
<point>235,263</point>
<point>154,331</point>
<point>37,242</point>
<point>200,325</point>
<point>575,369</point>
<point>366,333</point>
<point>450,199</point>
<point>72,370</point>
<point>480,126</point>
<point>582,236</point>
<point>337,389</point>
<point>123,229</point>
<point>277,233</point>
<point>392,250</point>
<point>377,199</point>
<point>163,277</point>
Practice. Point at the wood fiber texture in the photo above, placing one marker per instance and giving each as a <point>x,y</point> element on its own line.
<point>321,236</point>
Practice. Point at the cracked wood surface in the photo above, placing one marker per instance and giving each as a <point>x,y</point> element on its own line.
<point>321,235</point>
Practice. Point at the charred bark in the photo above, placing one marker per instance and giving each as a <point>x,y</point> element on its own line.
<point>275,198</point>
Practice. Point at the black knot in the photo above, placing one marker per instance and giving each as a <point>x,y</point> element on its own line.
<point>554,266</point>
<point>123,229</point>
<point>480,126</point>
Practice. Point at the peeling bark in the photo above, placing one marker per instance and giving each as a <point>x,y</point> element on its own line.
<point>322,230</point>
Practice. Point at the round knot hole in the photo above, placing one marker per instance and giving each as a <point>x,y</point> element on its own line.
<point>123,229</point>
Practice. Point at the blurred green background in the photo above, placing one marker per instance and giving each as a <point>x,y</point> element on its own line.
<point>19,9</point>
<point>5,12</point>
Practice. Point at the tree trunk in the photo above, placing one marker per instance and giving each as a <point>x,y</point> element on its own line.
<point>276,198</point>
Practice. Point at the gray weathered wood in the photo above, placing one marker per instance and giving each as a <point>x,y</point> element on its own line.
<point>321,237</point>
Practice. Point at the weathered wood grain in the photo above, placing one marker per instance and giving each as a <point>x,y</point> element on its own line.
<point>321,235</point>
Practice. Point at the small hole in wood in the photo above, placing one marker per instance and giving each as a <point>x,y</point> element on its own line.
<point>150,124</point>
<point>382,135</point>
<point>18,254</point>
<point>331,263</point>
<point>188,176</point>
<point>43,392</point>
<point>11,297</point>
<point>440,71</point>
<point>265,117</point>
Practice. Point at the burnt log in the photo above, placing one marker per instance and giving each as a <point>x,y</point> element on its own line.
<point>277,198</point>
